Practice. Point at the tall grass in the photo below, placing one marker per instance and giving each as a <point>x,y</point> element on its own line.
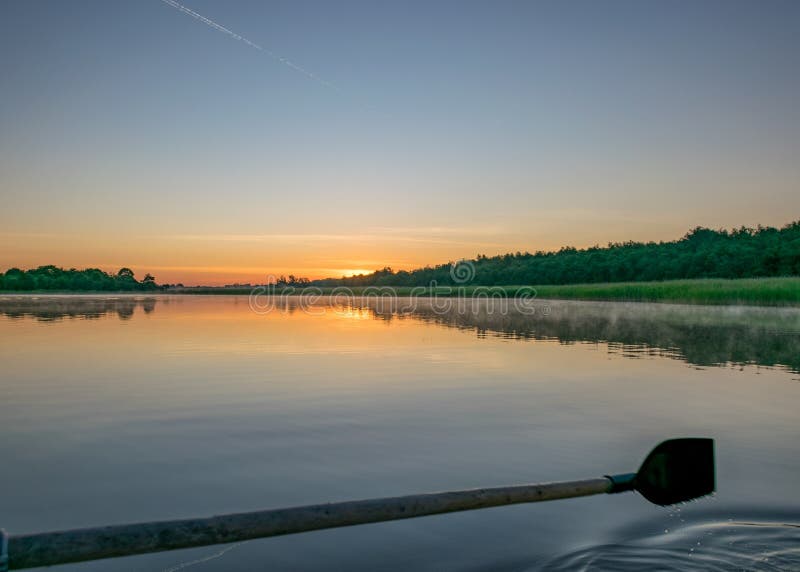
<point>752,291</point>
<point>759,291</point>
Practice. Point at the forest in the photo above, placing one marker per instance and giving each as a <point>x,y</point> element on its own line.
<point>701,253</point>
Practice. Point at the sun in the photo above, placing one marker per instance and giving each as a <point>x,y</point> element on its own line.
<point>354,272</point>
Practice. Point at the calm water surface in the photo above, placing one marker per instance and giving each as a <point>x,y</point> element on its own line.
<point>121,409</point>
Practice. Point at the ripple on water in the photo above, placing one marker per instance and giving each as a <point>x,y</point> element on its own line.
<point>731,545</point>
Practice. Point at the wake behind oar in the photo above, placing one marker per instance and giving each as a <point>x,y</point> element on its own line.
<point>677,470</point>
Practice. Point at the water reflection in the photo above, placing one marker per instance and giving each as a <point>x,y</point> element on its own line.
<point>700,335</point>
<point>703,336</point>
<point>55,308</point>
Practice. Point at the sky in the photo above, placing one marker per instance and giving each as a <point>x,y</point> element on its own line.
<point>342,137</point>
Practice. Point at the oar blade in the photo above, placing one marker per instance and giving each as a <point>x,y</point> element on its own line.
<point>677,470</point>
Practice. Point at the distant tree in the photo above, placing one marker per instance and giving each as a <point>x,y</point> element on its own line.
<point>149,282</point>
<point>54,278</point>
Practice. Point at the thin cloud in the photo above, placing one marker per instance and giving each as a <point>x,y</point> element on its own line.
<point>317,238</point>
<point>30,234</point>
<point>235,36</point>
<point>439,230</point>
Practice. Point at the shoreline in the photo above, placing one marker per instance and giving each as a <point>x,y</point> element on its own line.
<point>715,292</point>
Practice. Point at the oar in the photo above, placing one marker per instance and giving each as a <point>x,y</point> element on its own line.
<point>675,471</point>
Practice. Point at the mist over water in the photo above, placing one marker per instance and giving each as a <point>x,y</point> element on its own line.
<point>699,335</point>
<point>123,408</point>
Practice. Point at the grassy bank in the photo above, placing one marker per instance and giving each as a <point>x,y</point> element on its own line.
<point>757,291</point>
<point>751,291</point>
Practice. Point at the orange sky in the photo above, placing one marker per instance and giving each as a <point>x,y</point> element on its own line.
<point>230,258</point>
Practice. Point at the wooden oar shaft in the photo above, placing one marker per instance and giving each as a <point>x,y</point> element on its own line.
<point>47,549</point>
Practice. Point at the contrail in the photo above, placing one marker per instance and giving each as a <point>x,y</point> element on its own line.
<point>236,36</point>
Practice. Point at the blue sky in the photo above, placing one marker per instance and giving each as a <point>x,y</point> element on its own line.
<point>133,134</point>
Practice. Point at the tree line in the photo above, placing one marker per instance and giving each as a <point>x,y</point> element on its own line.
<point>701,253</point>
<point>91,279</point>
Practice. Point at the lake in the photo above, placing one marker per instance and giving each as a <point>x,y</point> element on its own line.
<point>119,409</point>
